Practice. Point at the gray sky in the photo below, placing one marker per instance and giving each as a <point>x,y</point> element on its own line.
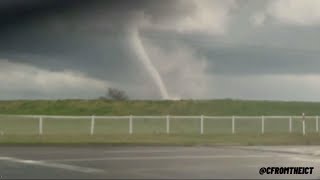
<point>195,49</point>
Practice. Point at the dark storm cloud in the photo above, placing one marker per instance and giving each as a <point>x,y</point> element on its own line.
<point>78,31</point>
<point>17,13</point>
<point>259,60</point>
<point>79,35</point>
<point>250,58</point>
<point>88,36</point>
<point>91,37</point>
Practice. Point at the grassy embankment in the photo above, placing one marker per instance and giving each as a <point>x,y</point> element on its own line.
<point>147,131</point>
<point>183,107</point>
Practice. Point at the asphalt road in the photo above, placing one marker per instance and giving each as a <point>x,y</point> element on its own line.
<point>95,162</point>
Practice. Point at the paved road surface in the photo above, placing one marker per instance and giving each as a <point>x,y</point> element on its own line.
<point>94,162</point>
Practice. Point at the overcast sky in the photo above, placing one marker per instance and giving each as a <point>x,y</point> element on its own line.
<point>160,49</point>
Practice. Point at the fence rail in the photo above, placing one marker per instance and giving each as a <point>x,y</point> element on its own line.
<point>45,124</point>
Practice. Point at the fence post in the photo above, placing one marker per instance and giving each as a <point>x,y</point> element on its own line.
<point>233,124</point>
<point>130,125</point>
<point>168,124</point>
<point>317,123</point>
<point>290,124</point>
<point>262,124</point>
<point>303,127</point>
<point>92,125</point>
<point>201,124</point>
<point>40,125</point>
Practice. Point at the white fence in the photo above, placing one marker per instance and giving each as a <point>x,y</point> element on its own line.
<point>35,124</point>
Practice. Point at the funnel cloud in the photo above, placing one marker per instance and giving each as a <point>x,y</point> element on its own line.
<point>145,60</point>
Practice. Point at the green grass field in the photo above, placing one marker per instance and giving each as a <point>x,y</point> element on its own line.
<point>13,125</point>
<point>153,131</point>
<point>162,139</point>
<point>223,107</point>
